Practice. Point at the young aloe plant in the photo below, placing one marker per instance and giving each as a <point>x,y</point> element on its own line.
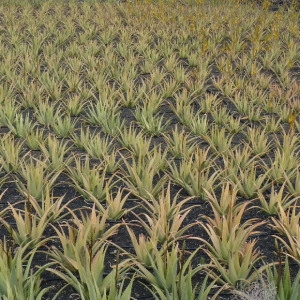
<point>226,86</point>
<point>136,142</point>
<point>170,87</point>
<point>52,87</point>
<point>285,164</point>
<point>130,96</point>
<point>18,280</point>
<point>84,235</point>
<point>288,226</point>
<point>180,74</point>
<point>209,103</point>
<point>272,125</point>
<point>8,112</point>
<point>165,205</point>
<point>73,81</point>
<point>49,206</point>
<point>154,124</point>
<point>280,277</point>
<point>34,139</point>
<point>197,123</point>
<point>240,157</point>
<point>112,162</point>
<point>187,291</point>
<point>104,114</point>
<point>159,156</point>
<point>56,152</point>
<point>180,144</point>
<point>93,182</point>
<point>258,140</point>
<point>247,180</point>
<point>288,144</point>
<point>30,228</point>
<point>171,62</point>
<point>194,178</point>
<point>139,177</point>
<point>166,227</point>
<point>227,234</point>
<point>294,187</point>
<point>10,153</point>
<point>114,206</point>
<point>170,277</point>
<point>21,126</point>
<point>83,254</point>
<point>46,112</point>
<point>75,104</point>
<point>112,124</point>
<point>276,200</point>
<point>153,101</point>
<point>182,106</point>
<point>97,146</point>
<point>63,126</point>
<point>220,115</point>
<point>219,140</point>
<point>238,269</point>
<point>82,139</point>
<point>93,283</point>
<point>37,178</point>
<point>226,203</point>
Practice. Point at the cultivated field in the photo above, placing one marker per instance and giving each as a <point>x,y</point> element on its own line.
<point>149,150</point>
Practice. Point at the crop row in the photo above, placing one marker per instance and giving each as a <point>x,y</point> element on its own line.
<point>152,151</point>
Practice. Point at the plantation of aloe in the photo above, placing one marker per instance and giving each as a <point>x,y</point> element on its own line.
<point>149,150</point>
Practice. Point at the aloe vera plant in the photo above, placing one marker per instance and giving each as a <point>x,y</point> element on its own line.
<point>19,281</point>
<point>36,178</point>
<point>151,118</point>
<point>10,151</point>
<point>139,177</point>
